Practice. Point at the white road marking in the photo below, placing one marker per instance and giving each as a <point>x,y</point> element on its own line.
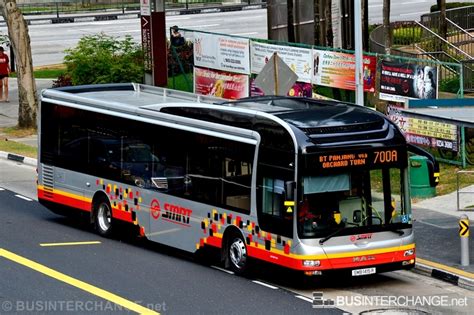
<point>265,284</point>
<point>23,197</point>
<point>224,270</point>
<point>304,298</point>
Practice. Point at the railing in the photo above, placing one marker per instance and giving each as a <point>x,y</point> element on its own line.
<point>76,6</point>
<point>463,17</point>
<point>430,41</point>
<point>469,207</point>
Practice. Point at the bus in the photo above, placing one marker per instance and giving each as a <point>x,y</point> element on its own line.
<point>313,186</point>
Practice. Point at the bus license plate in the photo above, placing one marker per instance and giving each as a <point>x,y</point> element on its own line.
<point>363,272</point>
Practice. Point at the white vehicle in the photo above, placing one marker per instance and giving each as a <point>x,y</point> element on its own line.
<point>309,185</point>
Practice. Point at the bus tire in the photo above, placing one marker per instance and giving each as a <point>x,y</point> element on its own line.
<point>103,220</point>
<point>237,257</point>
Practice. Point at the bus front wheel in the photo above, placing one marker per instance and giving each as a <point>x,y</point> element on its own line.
<point>103,217</point>
<point>237,255</point>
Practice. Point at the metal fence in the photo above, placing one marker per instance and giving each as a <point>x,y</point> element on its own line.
<point>414,41</point>
<point>74,6</point>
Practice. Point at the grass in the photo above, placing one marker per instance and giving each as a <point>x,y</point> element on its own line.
<point>46,72</point>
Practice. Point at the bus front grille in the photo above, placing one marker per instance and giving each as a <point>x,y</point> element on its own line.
<point>48,181</point>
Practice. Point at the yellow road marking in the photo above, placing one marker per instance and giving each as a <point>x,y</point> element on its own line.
<point>446,268</point>
<point>69,243</point>
<point>76,283</point>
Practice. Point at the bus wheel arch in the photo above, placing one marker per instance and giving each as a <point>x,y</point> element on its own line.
<point>101,214</point>
<point>234,251</point>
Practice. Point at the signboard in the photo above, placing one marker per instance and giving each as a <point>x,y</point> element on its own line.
<point>400,81</point>
<point>146,43</point>
<point>370,158</point>
<point>298,59</point>
<point>337,70</point>
<point>220,84</point>
<point>145,7</point>
<point>276,78</point>
<point>222,52</point>
<point>425,132</point>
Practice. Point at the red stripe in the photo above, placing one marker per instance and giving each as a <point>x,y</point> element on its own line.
<point>83,205</point>
<point>122,215</point>
<point>68,201</point>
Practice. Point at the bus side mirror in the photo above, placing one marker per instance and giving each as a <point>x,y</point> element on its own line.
<point>290,190</point>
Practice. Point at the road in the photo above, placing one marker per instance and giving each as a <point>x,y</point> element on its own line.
<point>165,280</point>
<point>48,41</point>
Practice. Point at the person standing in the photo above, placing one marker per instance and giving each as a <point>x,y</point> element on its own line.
<point>4,74</point>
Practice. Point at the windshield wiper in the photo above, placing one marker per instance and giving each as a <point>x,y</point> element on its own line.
<point>398,231</point>
<point>323,240</point>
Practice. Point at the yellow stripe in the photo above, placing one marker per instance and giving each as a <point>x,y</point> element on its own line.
<point>66,194</point>
<point>456,271</point>
<point>76,283</point>
<point>69,244</point>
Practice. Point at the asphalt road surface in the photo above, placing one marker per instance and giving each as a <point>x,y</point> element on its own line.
<point>136,273</point>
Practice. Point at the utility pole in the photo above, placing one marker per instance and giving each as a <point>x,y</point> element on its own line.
<point>358,53</point>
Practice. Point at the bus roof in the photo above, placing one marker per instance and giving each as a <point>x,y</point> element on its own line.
<point>324,122</point>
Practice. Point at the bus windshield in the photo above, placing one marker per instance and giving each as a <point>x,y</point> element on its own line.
<point>357,201</point>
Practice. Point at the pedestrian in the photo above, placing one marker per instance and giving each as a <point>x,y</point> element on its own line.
<point>176,37</point>
<point>4,73</point>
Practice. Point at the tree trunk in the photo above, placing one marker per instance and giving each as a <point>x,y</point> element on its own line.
<point>387,32</point>
<point>443,25</point>
<point>20,41</point>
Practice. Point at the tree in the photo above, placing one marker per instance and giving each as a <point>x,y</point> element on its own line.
<point>20,41</point>
<point>101,58</point>
<point>443,26</point>
<point>387,31</point>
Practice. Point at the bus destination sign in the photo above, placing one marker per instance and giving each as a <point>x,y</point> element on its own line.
<point>377,158</point>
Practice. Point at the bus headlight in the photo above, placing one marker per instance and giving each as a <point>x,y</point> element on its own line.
<point>409,252</point>
<point>311,263</point>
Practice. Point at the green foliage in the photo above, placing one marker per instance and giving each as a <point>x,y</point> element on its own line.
<point>451,5</point>
<point>451,85</point>
<point>406,35</point>
<point>104,59</point>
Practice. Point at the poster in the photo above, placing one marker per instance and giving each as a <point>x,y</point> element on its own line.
<point>220,84</point>
<point>337,70</point>
<point>298,59</point>
<point>299,89</point>
<point>425,132</point>
<point>400,81</point>
<point>222,52</point>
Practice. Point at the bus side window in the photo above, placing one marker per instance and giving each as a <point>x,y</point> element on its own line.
<point>273,196</point>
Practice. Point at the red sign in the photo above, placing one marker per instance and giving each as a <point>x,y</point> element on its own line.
<point>220,83</point>
<point>155,209</point>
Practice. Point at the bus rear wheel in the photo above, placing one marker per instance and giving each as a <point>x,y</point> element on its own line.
<point>237,255</point>
<point>103,217</point>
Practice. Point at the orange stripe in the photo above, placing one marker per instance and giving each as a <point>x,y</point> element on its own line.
<point>83,205</point>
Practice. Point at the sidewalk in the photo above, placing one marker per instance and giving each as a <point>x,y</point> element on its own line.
<point>436,219</point>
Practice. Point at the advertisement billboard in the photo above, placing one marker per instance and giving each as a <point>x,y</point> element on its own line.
<point>402,81</point>
<point>222,52</point>
<point>220,84</point>
<point>337,70</point>
<point>298,59</point>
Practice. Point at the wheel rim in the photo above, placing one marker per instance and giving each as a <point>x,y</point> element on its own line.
<point>238,253</point>
<point>104,217</point>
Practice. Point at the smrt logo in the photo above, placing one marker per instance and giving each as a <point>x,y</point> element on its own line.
<point>155,209</point>
<point>367,236</point>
